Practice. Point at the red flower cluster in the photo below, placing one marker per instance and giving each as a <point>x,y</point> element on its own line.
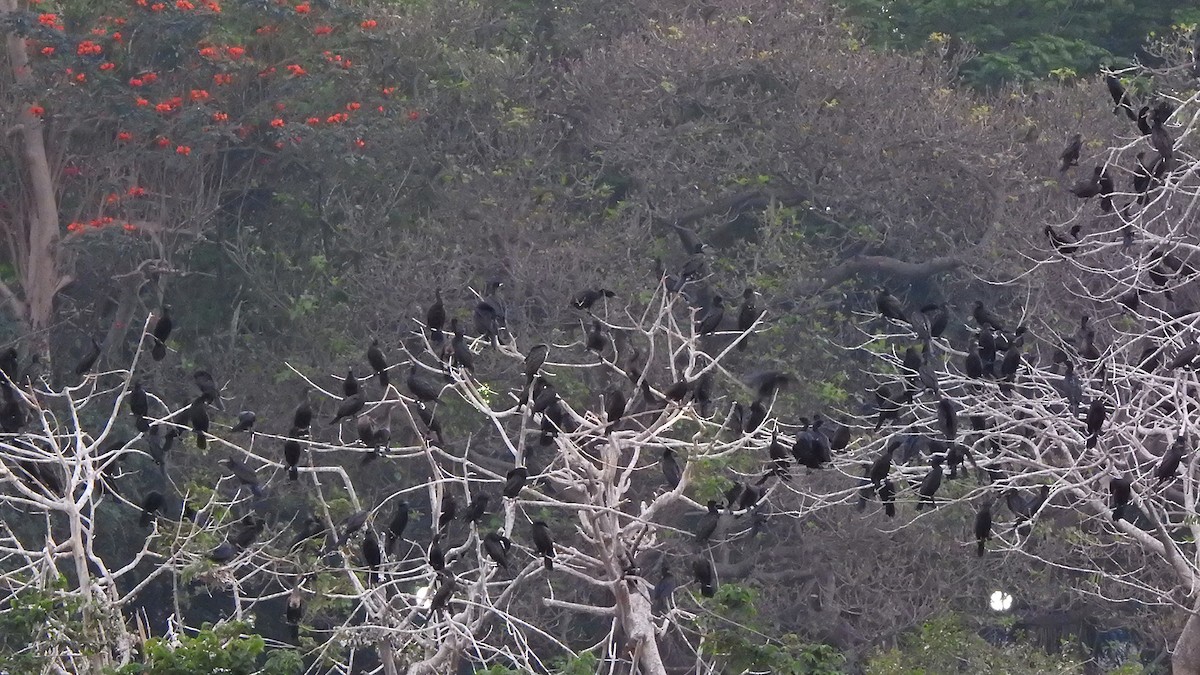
<point>37,110</point>
<point>369,24</point>
<point>303,8</point>
<point>322,30</point>
<point>222,79</point>
<point>88,48</point>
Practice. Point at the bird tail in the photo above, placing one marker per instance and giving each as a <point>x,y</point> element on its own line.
<point>383,378</point>
<point>390,544</point>
<point>201,440</point>
<point>146,518</point>
<point>921,505</point>
<point>142,424</point>
<point>862,503</point>
<point>293,473</point>
<point>707,590</point>
<point>159,350</point>
<point>890,509</point>
<point>549,563</point>
<point>1118,512</point>
<point>437,336</point>
<point>1092,440</point>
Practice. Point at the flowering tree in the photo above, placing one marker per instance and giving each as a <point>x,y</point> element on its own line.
<point>133,127</point>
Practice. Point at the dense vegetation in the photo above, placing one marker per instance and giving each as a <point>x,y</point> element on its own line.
<point>295,179</point>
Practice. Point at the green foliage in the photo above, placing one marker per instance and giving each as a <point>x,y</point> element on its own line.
<point>225,648</point>
<point>742,647</point>
<point>945,645</point>
<point>1020,40</point>
<point>31,611</point>
<point>584,664</point>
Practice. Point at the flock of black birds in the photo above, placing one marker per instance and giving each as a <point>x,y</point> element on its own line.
<point>994,353</point>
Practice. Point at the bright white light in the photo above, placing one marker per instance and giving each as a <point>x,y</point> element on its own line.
<point>1000,601</point>
<point>423,599</point>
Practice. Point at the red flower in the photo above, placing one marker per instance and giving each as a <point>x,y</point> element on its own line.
<point>268,72</point>
<point>183,150</point>
<point>278,122</point>
<point>136,191</point>
<point>313,121</point>
<point>414,115</point>
<point>37,110</point>
<point>157,7</point>
<point>387,91</point>
<point>303,8</point>
<point>296,70</point>
<point>136,82</point>
<point>141,102</point>
<point>124,136</point>
<point>162,108</point>
<point>322,30</point>
<point>212,6</point>
<point>198,95</point>
<point>107,65</point>
<point>47,19</point>
<point>129,227</point>
<point>222,78</point>
<point>112,198</point>
<point>117,37</point>
<point>337,118</point>
<point>208,52</point>
<point>184,5</point>
<point>353,105</point>
<point>47,51</point>
<point>72,171</point>
<point>220,117</point>
<point>360,143</point>
<point>235,52</point>
<point>369,24</point>
<point>81,77</point>
<point>74,227</point>
<point>88,48</point>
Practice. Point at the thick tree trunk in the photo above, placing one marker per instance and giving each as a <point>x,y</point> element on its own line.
<point>1186,658</point>
<point>38,234</point>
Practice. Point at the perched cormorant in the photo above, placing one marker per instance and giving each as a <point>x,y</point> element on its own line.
<point>151,503</point>
<point>1121,494</point>
<point>378,362</point>
<point>514,481</point>
<point>670,468</point>
<point>709,320</point>
<point>707,524</point>
<point>1096,415</point>
<point>983,528</point>
<point>586,298</point>
<point>476,508</point>
<point>747,315</point>
<point>435,318</point>
<point>246,420</point>
<point>397,526</point>
<point>543,542</point>
<point>496,546</point>
<point>160,333</point>
<point>705,576</point>
<point>1070,154</point>
<point>89,359</point>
